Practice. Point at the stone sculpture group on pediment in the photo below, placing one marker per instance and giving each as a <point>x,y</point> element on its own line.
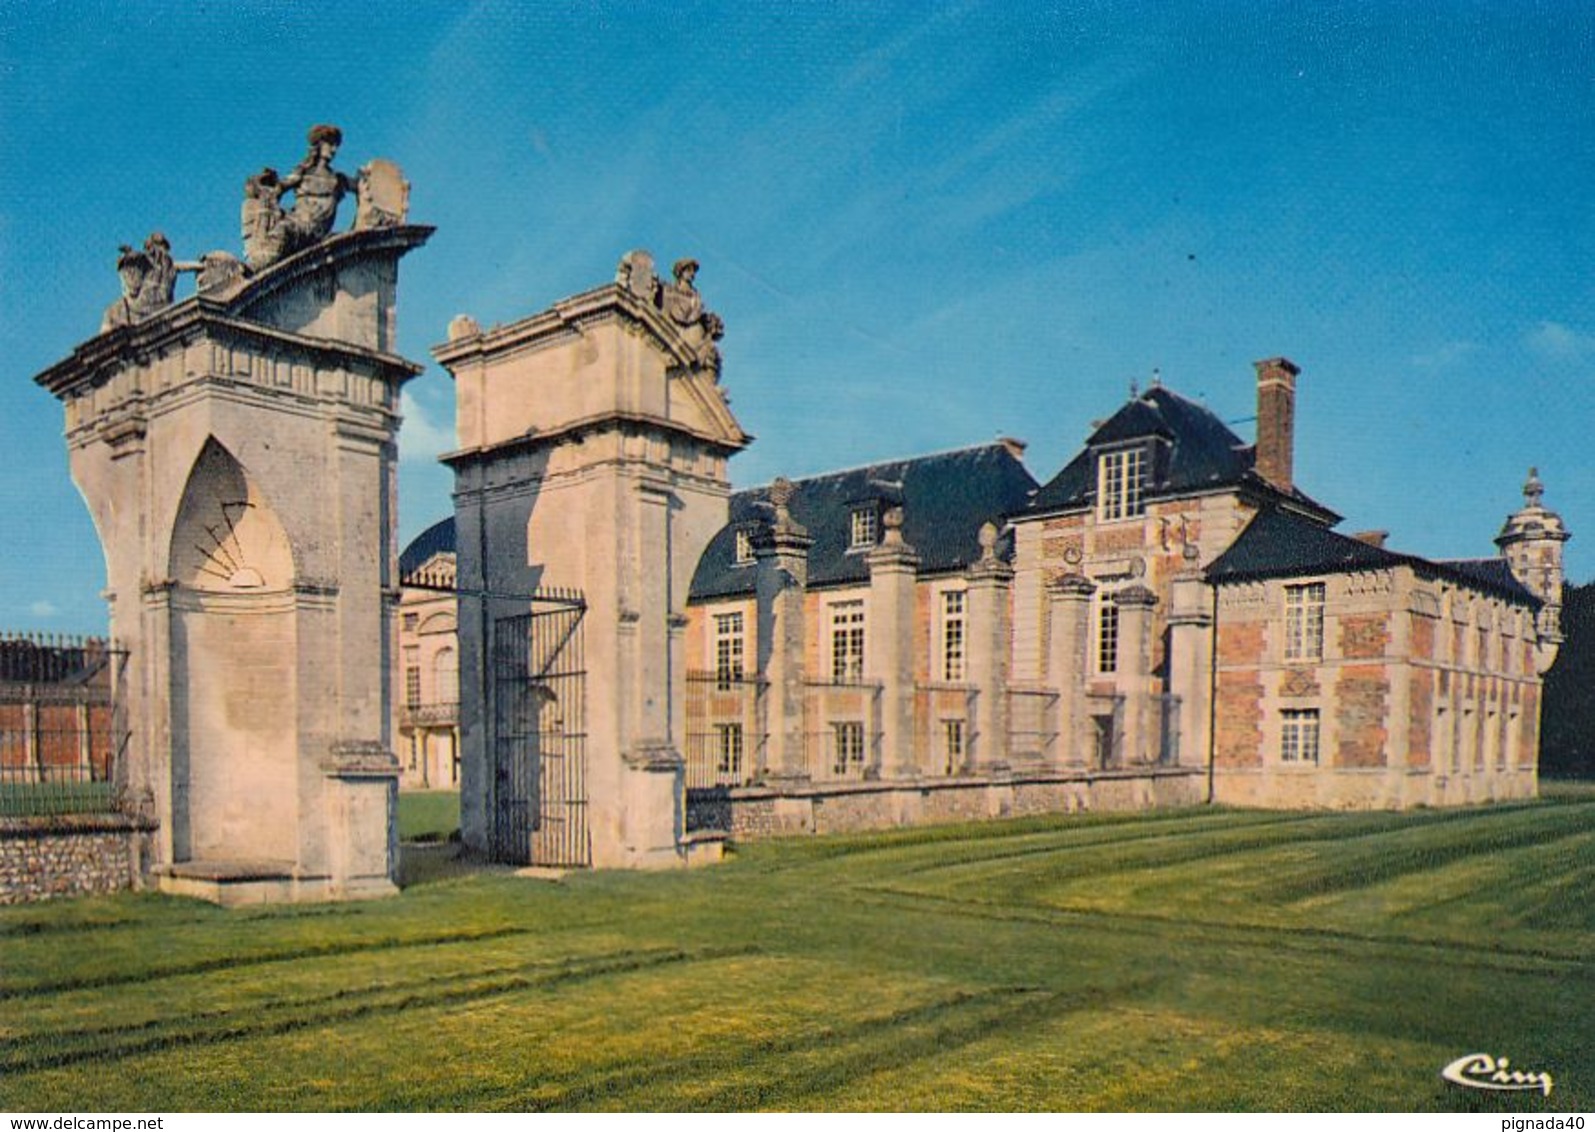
<point>679,300</point>
<point>271,232</point>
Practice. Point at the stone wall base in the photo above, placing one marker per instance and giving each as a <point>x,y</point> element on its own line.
<point>1371,789</point>
<point>235,883</point>
<point>793,808</point>
<point>72,855</point>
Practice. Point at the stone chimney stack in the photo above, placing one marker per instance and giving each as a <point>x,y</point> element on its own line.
<point>1276,421</point>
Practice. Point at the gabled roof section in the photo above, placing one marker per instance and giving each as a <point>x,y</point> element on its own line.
<point>1280,544</point>
<point>945,497</point>
<point>1202,454</point>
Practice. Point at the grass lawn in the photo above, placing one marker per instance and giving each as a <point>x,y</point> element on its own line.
<point>428,815</point>
<point>1198,959</point>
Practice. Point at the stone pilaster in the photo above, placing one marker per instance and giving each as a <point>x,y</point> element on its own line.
<point>892,569</point>
<point>990,579</point>
<point>1068,612</point>
<point>1191,662</point>
<point>1135,677</point>
<point>782,556</point>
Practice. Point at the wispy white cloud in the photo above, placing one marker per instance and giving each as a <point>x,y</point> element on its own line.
<point>421,438</point>
<point>1558,342</point>
<point>43,609</point>
<point>1446,355</point>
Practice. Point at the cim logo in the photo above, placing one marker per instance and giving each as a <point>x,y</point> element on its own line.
<point>1483,1071</point>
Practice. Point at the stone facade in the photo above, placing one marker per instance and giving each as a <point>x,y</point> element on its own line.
<point>593,446</point>
<point>428,674</point>
<point>237,453</point>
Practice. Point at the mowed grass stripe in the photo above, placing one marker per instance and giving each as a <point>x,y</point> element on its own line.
<point>1050,963</point>
<point>66,1045</point>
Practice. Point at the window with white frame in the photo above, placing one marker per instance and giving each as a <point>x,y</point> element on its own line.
<point>446,676</point>
<point>952,731</point>
<point>728,649</point>
<point>728,749</point>
<point>1304,622</point>
<point>847,748</point>
<point>744,547</point>
<point>1121,482</point>
<point>862,525</point>
<point>847,642</point>
<point>1298,735</point>
<point>952,636</point>
<point>412,677</point>
<point>1108,636</point>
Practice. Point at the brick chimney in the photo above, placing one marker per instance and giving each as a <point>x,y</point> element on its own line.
<point>1276,421</point>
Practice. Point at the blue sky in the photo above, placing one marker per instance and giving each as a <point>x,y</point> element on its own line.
<point>925,225</point>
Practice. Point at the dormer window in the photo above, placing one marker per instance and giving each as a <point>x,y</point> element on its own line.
<point>1121,480</point>
<point>744,547</point>
<point>863,523</point>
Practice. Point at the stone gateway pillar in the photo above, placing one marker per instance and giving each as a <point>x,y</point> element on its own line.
<point>237,453</point>
<point>592,463</point>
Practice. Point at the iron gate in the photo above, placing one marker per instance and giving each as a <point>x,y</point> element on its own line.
<point>540,734</point>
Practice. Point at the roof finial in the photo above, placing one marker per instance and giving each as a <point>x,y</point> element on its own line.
<point>1157,377</point>
<point>1533,489</point>
<point>1135,389</point>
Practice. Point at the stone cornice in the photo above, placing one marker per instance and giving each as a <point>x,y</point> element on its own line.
<point>568,316</point>
<point>598,422</point>
<point>330,253</point>
<point>96,359</point>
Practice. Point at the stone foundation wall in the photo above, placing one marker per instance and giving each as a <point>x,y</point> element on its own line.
<point>762,812</point>
<point>71,855</point>
<point>1368,789</point>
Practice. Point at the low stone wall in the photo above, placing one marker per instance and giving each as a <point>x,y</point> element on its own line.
<point>758,812</point>
<point>71,855</point>
<point>1360,788</point>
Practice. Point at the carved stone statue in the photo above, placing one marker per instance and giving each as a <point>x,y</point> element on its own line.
<point>265,229</point>
<point>149,281</point>
<point>130,267</point>
<point>684,305</point>
<point>317,188</point>
<point>382,196</point>
<point>681,298</point>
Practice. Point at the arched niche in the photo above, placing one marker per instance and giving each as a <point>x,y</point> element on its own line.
<point>234,671</point>
<point>227,538</point>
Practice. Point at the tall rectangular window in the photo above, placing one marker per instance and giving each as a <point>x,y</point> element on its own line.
<point>1304,622</point>
<point>728,748</point>
<point>728,649</point>
<point>847,642</point>
<point>1121,479</point>
<point>861,528</point>
<point>412,686</point>
<point>744,547</point>
<point>1298,736</point>
<point>952,745</point>
<point>952,635</point>
<point>847,748</point>
<point>1108,637</point>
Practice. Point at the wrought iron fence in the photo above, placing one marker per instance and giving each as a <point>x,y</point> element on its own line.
<point>725,742</point>
<point>1032,724</point>
<point>944,723</point>
<point>1107,730</point>
<point>63,728</point>
<point>842,730</point>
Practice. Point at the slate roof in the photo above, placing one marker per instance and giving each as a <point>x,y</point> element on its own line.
<point>946,497</point>
<point>1203,454</point>
<point>1278,543</point>
<point>436,539</point>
